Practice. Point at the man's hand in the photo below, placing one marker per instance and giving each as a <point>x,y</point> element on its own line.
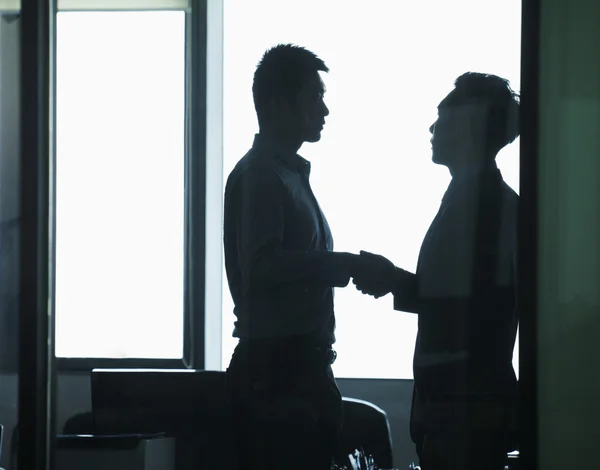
<point>373,274</point>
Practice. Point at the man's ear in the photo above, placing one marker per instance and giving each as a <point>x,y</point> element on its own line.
<point>279,107</point>
<point>284,106</point>
<point>273,107</point>
<point>477,120</point>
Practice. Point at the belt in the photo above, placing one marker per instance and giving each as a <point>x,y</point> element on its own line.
<point>326,352</point>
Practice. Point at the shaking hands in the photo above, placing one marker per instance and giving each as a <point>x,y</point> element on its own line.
<point>373,274</point>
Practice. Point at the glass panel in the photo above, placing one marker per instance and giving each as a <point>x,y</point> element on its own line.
<point>568,297</point>
<point>10,234</point>
<point>372,171</point>
<point>120,184</point>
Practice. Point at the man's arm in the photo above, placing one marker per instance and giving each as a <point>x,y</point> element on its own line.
<point>262,200</point>
<point>490,283</point>
<point>382,277</point>
<point>405,291</point>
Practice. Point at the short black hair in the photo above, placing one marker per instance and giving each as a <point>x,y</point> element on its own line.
<point>281,73</point>
<point>503,105</point>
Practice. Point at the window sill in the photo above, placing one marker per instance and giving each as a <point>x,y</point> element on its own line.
<point>89,363</point>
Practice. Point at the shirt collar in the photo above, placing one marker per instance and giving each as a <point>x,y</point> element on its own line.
<point>272,148</point>
<point>475,170</point>
<point>472,172</point>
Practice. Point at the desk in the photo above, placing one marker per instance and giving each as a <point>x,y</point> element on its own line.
<point>126,452</point>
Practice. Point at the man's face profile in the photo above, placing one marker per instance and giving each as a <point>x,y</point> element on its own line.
<point>456,129</point>
<point>445,135</point>
<point>311,110</point>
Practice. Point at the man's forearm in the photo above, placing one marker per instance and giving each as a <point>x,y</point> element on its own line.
<point>277,267</point>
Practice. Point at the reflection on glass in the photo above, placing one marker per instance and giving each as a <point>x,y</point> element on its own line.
<point>382,91</point>
<point>120,184</point>
<point>9,191</point>
<point>9,9</point>
<point>10,32</point>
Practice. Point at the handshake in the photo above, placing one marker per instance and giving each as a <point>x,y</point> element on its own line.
<point>373,274</point>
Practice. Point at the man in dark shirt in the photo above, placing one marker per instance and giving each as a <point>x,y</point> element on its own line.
<point>281,270</point>
<point>464,290</point>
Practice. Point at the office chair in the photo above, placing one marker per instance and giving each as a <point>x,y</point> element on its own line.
<point>365,427</point>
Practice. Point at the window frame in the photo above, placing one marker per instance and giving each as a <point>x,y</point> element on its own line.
<point>528,233</point>
<point>37,386</point>
<point>194,213</point>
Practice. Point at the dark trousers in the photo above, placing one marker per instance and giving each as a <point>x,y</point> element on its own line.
<point>462,451</point>
<point>464,432</point>
<point>286,404</point>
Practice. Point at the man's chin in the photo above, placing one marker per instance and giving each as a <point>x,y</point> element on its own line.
<point>435,158</point>
<point>314,137</point>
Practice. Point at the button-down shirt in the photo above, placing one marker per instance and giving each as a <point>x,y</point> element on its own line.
<point>279,257</point>
<point>464,293</point>
<point>464,287</point>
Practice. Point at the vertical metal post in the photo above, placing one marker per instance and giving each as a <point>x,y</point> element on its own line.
<point>528,234</point>
<point>194,344</point>
<point>36,326</point>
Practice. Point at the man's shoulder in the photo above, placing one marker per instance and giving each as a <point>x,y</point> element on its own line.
<point>510,195</point>
<point>510,202</point>
<point>253,168</point>
<point>492,187</point>
<point>483,197</point>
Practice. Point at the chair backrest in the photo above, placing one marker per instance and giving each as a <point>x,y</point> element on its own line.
<point>366,427</point>
<point>171,401</point>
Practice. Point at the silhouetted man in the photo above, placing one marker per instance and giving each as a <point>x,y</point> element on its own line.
<point>465,388</point>
<point>281,272</point>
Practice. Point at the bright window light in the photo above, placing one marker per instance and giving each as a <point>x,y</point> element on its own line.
<point>120,184</point>
<point>391,63</point>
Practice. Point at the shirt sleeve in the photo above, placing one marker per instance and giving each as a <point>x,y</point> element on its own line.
<point>264,202</point>
<point>406,292</point>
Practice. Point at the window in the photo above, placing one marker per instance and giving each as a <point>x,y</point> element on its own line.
<point>390,65</point>
<point>120,190</point>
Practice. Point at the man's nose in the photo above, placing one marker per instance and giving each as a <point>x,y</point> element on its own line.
<point>431,128</point>
<point>325,110</point>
